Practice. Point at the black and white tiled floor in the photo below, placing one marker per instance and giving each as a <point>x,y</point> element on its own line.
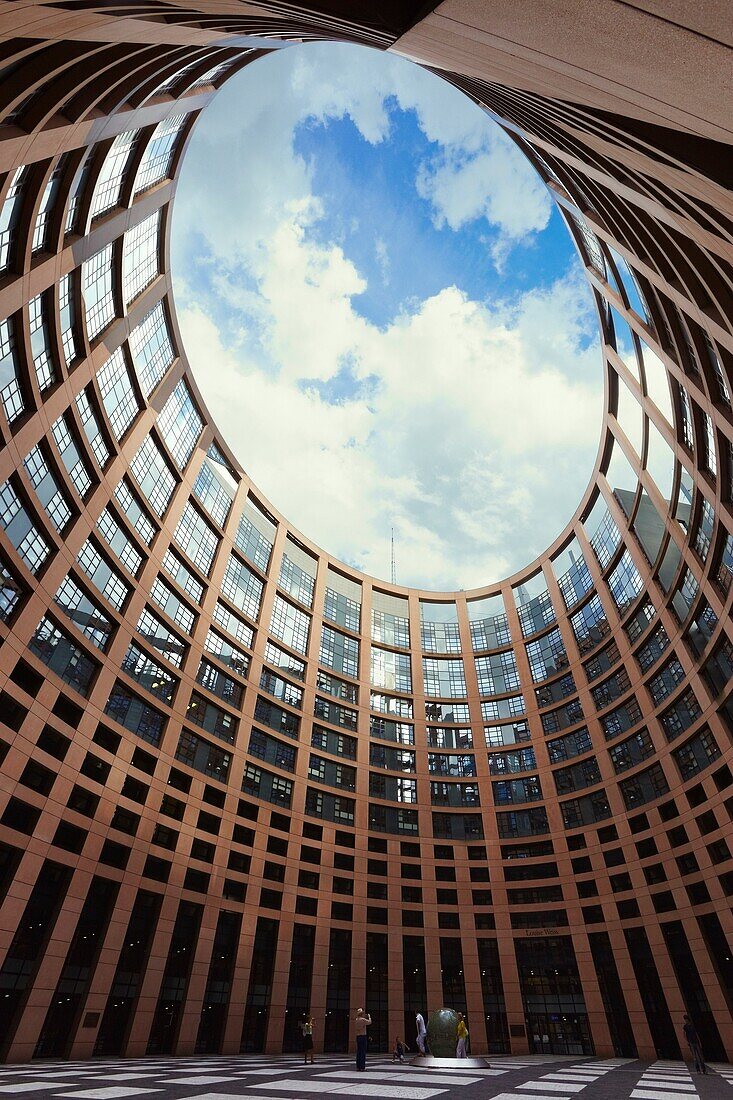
<point>286,1078</point>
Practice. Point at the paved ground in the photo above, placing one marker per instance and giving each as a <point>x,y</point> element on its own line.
<point>263,1077</point>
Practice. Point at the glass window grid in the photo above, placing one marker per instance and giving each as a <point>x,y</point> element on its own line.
<point>71,457</point>
<point>495,709</point>
<point>576,777</point>
<point>385,729</point>
<point>183,576</point>
<point>112,173</point>
<point>140,257</point>
<point>535,614</point>
<point>511,733</point>
<point>665,682</point>
<point>720,379</point>
<point>103,576</point>
<point>503,763</point>
<point>605,694</point>
<point>285,661</point>
<point>134,513</point>
<point>621,718</point>
<point>135,715</point>
<point>48,201</point>
<point>281,689</point>
<point>390,670</point>
<point>148,674</point>
<point>605,541</point>
<point>390,629</point>
<point>711,460</point>
<point>243,588</point>
<point>686,419</point>
<point>212,496</point>
<point>644,787</point>
<point>59,653</point>
<point>10,593</point>
<point>296,582</point>
<point>77,189</point>
<point>624,582</point>
<point>704,533</point>
<point>547,656</point>
<point>84,613</point>
<point>91,426</point>
<point>20,529</point>
<point>47,488</point>
<point>67,318</point>
<point>649,653</point>
<point>572,744</point>
<point>160,638</point>
<point>9,215</point>
<point>341,610</point>
<point>214,680</point>
<point>10,392</point>
<point>601,663</point>
<point>229,655</point>
<point>212,718</point>
<point>586,810</point>
<point>153,475</point>
<point>339,652</point>
<point>328,711</point>
<point>680,716</point>
<point>174,607</point>
<point>339,689</point>
<point>211,75</point>
<point>590,625</point>
<point>640,620</point>
<point>724,573</point>
<point>158,156</point>
<point>255,547</point>
<point>151,348</point>
<point>196,753</point>
<point>562,717</point>
<point>698,753</point>
<point>180,425</point>
<point>575,582</point>
<point>626,754</point>
<point>196,539</point>
<point>508,791</point>
<point>444,678</point>
<point>497,673</point>
<point>440,637</point>
<point>389,704</point>
<point>490,633</point>
<point>118,395</point>
<point>589,243</point>
<point>43,363</point>
<point>98,291</point>
<point>235,626</point>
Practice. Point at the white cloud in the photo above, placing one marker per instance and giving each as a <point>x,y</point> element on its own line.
<point>460,439</point>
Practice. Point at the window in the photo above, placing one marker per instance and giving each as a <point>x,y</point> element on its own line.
<point>59,653</point>
<point>21,530</point>
<point>624,582</point>
<point>118,396</point>
<point>40,345</point>
<point>10,391</point>
<point>590,625</point>
<point>153,475</point>
<point>112,175</point>
<point>47,489</point>
<point>196,538</point>
<point>180,425</point>
<point>140,261</point>
<point>98,291</point>
<point>289,625</point>
<point>390,670</point>
<point>85,404</point>
<point>121,546</point>
<point>340,609</point>
<point>339,652</point>
<point>103,576</point>
<point>444,678</point>
<point>253,544</point>
<point>390,629</point>
<point>546,656</point>
<point>86,615</point>
<point>158,156</point>
<point>497,674</point>
<point>152,349</point>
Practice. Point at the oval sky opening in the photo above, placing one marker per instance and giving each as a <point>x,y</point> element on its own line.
<point>387,316</point>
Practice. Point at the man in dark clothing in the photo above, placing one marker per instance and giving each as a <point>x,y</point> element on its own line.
<point>695,1045</point>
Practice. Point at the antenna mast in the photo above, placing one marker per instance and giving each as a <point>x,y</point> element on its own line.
<point>393,574</point>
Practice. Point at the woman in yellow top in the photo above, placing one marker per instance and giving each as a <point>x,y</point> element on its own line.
<point>461,1035</point>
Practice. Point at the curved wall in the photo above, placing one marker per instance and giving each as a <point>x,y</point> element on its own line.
<point>240,780</point>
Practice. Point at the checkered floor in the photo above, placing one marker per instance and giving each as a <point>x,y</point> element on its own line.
<point>286,1078</point>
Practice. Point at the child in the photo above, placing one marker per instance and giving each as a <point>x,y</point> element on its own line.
<point>400,1049</point>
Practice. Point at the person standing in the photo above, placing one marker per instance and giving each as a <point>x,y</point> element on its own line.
<point>421,1032</point>
<point>695,1045</point>
<point>363,1020</point>
<point>306,1029</point>
<point>461,1036</point>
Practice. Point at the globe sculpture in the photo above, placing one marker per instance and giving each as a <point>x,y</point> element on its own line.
<point>442,1029</point>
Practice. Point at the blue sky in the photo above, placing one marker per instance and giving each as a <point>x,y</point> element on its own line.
<point>386,315</point>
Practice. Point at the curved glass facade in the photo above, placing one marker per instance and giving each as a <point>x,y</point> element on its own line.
<point>256,781</point>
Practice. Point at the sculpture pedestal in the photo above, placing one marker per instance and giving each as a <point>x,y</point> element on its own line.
<point>458,1065</point>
